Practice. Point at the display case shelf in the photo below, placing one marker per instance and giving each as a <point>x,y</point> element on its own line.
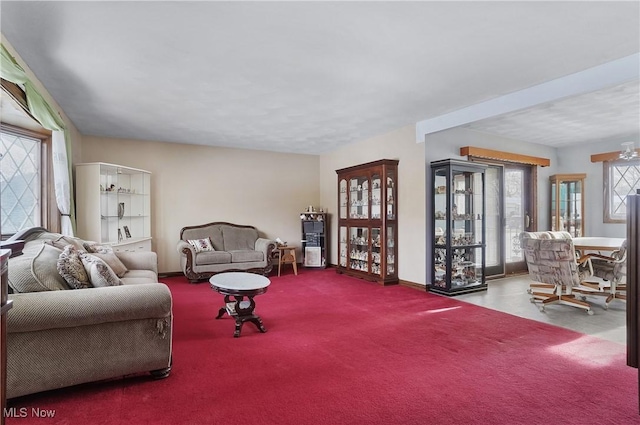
<point>458,227</point>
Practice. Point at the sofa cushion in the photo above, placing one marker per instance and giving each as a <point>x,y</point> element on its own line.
<point>246,256</point>
<point>212,257</point>
<point>239,238</point>
<point>133,277</point>
<point>201,245</point>
<point>71,268</point>
<point>100,274</point>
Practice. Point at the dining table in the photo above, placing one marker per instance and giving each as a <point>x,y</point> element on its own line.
<point>597,243</point>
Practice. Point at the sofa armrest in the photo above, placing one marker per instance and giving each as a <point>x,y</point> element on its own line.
<point>36,311</point>
<point>184,247</point>
<point>266,246</point>
<point>139,260</point>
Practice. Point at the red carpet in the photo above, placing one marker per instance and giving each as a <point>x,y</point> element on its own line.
<point>344,351</point>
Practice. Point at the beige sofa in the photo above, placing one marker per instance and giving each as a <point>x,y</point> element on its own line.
<point>58,338</point>
<point>235,248</point>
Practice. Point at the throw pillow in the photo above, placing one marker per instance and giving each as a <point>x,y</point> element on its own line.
<point>36,272</point>
<point>113,262</point>
<point>106,253</point>
<point>93,247</point>
<point>63,241</point>
<point>201,245</point>
<point>21,277</point>
<point>45,270</point>
<point>99,272</point>
<point>71,268</point>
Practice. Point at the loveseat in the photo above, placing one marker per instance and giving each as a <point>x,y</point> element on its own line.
<point>217,247</point>
<point>58,337</point>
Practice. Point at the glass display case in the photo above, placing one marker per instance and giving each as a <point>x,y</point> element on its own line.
<point>567,203</point>
<point>367,221</point>
<point>458,227</point>
<point>113,205</point>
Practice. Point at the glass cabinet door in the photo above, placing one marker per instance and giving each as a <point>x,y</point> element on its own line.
<point>391,256</point>
<point>376,260</point>
<point>109,204</point>
<point>343,246</point>
<point>391,195</point>
<point>567,203</point>
<point>376,197</point>
<point>554,207</point>
<point>359,197</point>
<point>359,245</point>
<point>440,227</point>
<point>343,198</point>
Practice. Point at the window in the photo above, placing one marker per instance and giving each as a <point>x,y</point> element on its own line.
<point>621,178</point>
<point>22,180</point>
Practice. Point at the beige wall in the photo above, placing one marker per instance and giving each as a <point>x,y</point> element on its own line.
<point>194,184</point>
<point>401,145</point>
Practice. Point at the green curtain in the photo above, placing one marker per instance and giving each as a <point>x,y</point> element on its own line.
<point>11,71</point>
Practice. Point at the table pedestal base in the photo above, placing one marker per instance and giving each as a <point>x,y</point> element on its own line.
<point>242,311</point>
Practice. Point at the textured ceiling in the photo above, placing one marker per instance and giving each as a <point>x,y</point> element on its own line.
<point>610,114</point>
<point>302,77</point>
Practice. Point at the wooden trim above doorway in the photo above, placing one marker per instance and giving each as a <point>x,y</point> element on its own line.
<point>504,156</point>
<point>608,156</point>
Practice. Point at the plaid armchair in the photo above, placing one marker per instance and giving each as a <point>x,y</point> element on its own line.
<point>552,264</point>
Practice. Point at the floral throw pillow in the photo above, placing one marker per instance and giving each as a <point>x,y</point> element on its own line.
<point>71,268</point>
<point>99,272</point>
<point>201,245</point>
<point>106,253</point>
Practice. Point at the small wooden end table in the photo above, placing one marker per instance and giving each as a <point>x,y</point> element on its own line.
<point>287,255</point>
<point>239,285</point>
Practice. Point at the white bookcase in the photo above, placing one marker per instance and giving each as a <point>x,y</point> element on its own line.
<point>113,205</point>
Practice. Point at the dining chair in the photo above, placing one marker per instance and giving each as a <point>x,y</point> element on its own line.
<point>612,270</point>
<point>554,269</point>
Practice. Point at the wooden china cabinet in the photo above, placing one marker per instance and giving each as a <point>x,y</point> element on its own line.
<point>368,221</point>
<point>567,203</point>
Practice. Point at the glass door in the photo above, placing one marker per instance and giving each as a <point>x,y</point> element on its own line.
<point>494,217</point>
<point>518,202</point>
<point>509,201</point>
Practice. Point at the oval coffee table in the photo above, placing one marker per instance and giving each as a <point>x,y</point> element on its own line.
<point>239,285</point>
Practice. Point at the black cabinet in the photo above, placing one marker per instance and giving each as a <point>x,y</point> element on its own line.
<point>458,227</point>
<point>314,239</point>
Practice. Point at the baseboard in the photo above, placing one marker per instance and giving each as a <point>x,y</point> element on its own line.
<point>413,285</point>
<point>170,274</point>
<point>407,283</point>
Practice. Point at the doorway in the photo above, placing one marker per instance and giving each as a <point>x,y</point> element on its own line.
<point>510,196</point>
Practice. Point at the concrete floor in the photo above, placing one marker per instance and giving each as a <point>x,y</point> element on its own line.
<point>510,295</point>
